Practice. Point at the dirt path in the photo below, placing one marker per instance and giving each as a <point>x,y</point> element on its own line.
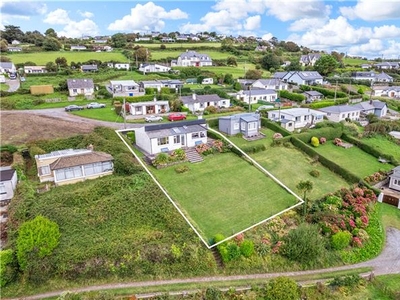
<point>388,262</point>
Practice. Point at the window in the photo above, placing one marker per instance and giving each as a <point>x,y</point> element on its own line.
<point>97,168</point>
<point>74,90</point>
<point>177,139</point>
<point>223,102</point>
<point>195,135</point>
<point>2,189</point>
<point>305,118</point>
<point>138,108</point>
<point>297,119</point>
<point>343,115</point>
<point>202,134</point>
<point>45,170</point>
<point>68,173</point>
<point>162,141</point>
<point>396,182</point>
<point>242,125</point>
<point>236,126</point>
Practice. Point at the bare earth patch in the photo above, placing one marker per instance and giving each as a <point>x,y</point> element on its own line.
<point>17,128</point>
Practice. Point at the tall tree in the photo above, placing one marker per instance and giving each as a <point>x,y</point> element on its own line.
<point>51,44</point>
<point>294,65</point>
<point>11,33</point>
<point>3,45</point>
<point>142,54</point>
<point>326,64</point>
<point>231,61</point>
<point>119,40</point>
<point>270,61</point>
<point>61,61</point>
<point>305,186</point>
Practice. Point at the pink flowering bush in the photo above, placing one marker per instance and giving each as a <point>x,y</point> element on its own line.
<point>277,135</point>
<point>322,140</point>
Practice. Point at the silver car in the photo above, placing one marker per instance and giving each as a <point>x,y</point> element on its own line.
<point>153,119</point>
<point>95,105</point>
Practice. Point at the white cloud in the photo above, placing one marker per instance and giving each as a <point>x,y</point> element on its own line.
<point>146,17</point>
<point>307,24</point>
<point>372,10</point>
<point>77,29</point>
<point>252,23</point>
<point>372,46</point>
<point>267,37</point>
<point>57,17</point>
<point>86,14</point>
<point>386,31</point>
<point>13,10</point>
<point>393,51</point>
<point>293,10</point>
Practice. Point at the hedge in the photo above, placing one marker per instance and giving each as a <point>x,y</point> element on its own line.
<point>292,96</point>
<point>274,127</point>
<point>327,132</point>
<point>213,122</point>
<point>325,92</point>
<point>345,174</point>
<point>369,149</point>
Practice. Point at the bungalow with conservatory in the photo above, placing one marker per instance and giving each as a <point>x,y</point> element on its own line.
<point>389,91</point>
<point>82,86</point>
<point>370,76</point>
<point>387,65</point>
<point>119,66</point>
<point>149,107</point>
<point>296,118</point>
<point>73,165</point>
<point>154,139</point>
<point>300,77</point>
<point>34,69</point>
<point>192,59</point>
<point>200,102</point>
<point>247,124</point>
<point>376,107</point>
<point>270,84</point>
<point>7,67</point>
<point>125,88</point>
<point>253,96</point>
<point>153,68</point>
<point>340,113</point>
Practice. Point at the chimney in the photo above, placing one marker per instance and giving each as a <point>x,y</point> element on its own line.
<point>194,96</point>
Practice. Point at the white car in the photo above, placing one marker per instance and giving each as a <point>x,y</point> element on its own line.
<point>95,105</point>
<point>153,119</point>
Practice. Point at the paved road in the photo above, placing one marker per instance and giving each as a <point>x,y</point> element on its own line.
<point>60,113</point>
<point>13,84</point>
<point>388,262</point>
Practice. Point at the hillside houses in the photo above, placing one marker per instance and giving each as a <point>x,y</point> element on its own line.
<point>192,59</point>
<point>300,77</point>
<point>309,59</point>
<point>270,84</point>
<point>372,76</point>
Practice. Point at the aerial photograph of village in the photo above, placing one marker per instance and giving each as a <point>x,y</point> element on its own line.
<point>217,149</point>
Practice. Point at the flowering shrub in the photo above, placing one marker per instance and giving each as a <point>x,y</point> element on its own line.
<point>322,140</point>
<point>277,135</point>
<point>376,177</point>
<point>337,142</point>
<point>202,148</point>
<point>315,141</point>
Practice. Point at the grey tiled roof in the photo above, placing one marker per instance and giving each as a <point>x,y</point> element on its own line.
<point>84,83</point>
<point>201,99</point>
<point>178,129</point>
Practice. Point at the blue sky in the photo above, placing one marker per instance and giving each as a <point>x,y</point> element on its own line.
<point>369,28</point>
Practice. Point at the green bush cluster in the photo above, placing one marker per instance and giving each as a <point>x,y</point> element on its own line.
<point>292,96</point>
<point>326,92</point>
<point>314,173</point>
<point>341,240</point>
<point>327,132</point>
<point>231,250</point>
<point>7,267</point>
<point>315,141</point>
<point>254,148</point>
<point>8,147</point>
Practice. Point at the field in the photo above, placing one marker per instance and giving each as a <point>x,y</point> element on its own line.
<point>291,166</point>
<point>41,58</point>
<point>224,194</point>
<point>160,55</point>
<point>383,144</point>
<point>353,159</point>
<point>180,46</point>
<point>354,61</point>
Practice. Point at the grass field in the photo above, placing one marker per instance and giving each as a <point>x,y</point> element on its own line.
<point>162,54</point>
<point>354,61</point>
<point>41,58</point>
<point>353,159</point>
<point>224,194</point>
<point>291,166</point>
<point>4,87</point>
<point>383,144</point>
<point>390,215</point>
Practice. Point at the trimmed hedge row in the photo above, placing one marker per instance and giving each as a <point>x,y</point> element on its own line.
<point>254,148</point>
<point>325,92</point>
<point>327,132</point>
<point>292,96</point>
<point>369,149</point>
<point>274,127</point>
<point>345,174</point>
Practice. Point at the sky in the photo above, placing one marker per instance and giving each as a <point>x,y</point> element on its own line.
<point>367,28</point>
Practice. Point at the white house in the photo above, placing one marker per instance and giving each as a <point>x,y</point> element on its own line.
<point>207,81</point>
<point>166,137</point>
<point>73,165</point>
<point>247,124</point>
<point>300,77</point>
<point>77,48</point>
<point>253,96</point>
<point>120,66</point>
<point>370,76</point>
<point>394,179</point>
<point>15,42</point>
<point>158,84</point>
<point>125,88</point>
<point>14,49</point>
<point>376,107</point>
<point>7,67</point>
<point>309,59</point>
<point>339,113</point>
<point>149,107</point>
<point>295,118</point>
<point>8,183</point>
<point>81,86</point>
<point>192,59</point>
<point>270,84</point>
<point>312,96</point>
<point>34,69</point>
<point>387,65</point>
<point>200,102</point>
<point>383,77</point>
<point>153,68</point>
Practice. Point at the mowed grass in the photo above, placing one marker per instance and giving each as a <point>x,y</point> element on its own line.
<point>390,215</point>
<point>384,145</point>
<point>224,194</point>
<point>290,166</point>
<point>353,159</point>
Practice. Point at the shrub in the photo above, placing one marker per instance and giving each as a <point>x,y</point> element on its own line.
<point>131,136</point>
<point>277,135</point>
<point>7,270</point>
<point>125,164</point>
<point>247,248</point>
<point>315,141</point>
<point>322,140</point>
<point>314,173</point>
<point>161,159</point>
<point>233,251</point>
<point>341,240</point>
<point>282,288</point>
<point>181,169</point>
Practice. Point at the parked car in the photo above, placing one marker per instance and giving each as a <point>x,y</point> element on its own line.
<point>95,105</point>
<point>153,118</point>
<point>176,117</point>
<point>73,107</point>
<point>13,76</point>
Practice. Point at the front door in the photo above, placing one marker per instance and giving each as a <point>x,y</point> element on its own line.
<point>183,140</point>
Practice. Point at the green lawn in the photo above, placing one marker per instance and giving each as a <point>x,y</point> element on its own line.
<point>390,215</point>
<point>41,58</point>
<point>224,194</point>
<point>383,144</point>
<point>354,61</point>
<point>353,159</point>
<point>4,87</point>
<point>291,166</point>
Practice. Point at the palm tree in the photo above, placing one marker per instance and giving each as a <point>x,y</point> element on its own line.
<point>305,186</point>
